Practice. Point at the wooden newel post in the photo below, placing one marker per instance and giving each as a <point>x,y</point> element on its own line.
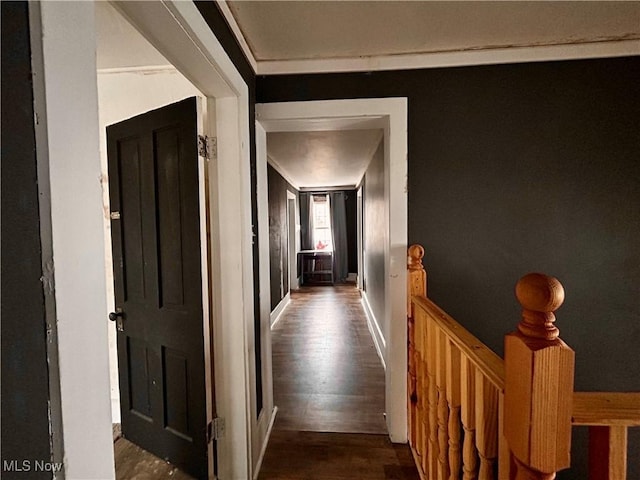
<point>416,275</point>
<point>416,285</point>
<point>538,394</point>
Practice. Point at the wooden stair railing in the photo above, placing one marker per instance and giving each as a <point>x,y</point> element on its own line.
<point>608,416</point>
<point>456,389</point>
<point>474,416</point>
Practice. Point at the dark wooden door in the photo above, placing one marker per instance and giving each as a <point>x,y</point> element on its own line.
<point>155,232</point>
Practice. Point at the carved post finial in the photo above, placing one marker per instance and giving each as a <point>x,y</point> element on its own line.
<point>414,260</point>
<point>539,295</point>
<point>538,389</point>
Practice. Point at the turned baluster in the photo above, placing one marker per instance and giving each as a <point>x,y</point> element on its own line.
<point>538,383</point>
<point>443,408</point>
<point>432,452</point>
<point>423,426</point>
<point>416,285</point>
<point>421,383</point>
<point>417,399</point>
<point>453,399</point>
<point>487,426</point>
<point>468,413</point>
<point>504,452</point>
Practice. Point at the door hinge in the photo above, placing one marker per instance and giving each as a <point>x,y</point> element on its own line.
<point>215,429</point>
<point>208,147</point>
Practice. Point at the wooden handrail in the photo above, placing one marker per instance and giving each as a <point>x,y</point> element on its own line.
<point>606,409</point>
<point>486,360</point>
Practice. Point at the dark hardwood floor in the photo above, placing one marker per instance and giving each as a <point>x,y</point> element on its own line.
<point>295,455</point>
<point>329,389</point>
<point>327,376</point>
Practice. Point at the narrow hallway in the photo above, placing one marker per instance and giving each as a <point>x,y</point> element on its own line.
<point>329,389</point>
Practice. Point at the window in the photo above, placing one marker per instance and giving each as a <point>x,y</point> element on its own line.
<point>321,223</point>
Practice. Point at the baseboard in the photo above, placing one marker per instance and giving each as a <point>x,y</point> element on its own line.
<point>374,329</point>
<point>277,312</point>
<point>352,277</point>
<point>265,443</point>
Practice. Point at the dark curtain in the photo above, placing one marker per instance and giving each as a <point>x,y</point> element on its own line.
<point>339,233</point>
<point>306,228</point>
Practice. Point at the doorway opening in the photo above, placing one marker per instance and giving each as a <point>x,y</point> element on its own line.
<point>69,110</point>
<point>386,115</point>
<point>156,253</point>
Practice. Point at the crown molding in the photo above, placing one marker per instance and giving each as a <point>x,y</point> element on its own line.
<point>606,48</point>
<point>489,56</point>
<point>283,173</point>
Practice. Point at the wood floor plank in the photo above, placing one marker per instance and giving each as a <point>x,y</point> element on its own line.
<point>335,456</point>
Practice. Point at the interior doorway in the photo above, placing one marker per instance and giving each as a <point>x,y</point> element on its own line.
<point>390,116</point>
<point>150,118</point>
<point>67,68</point>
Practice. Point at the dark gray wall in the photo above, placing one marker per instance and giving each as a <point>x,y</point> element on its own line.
<point>351,209</point>
<point>519,168</point>
<point>278,235</point>
<point>25,391</point>
<point>374,235</point>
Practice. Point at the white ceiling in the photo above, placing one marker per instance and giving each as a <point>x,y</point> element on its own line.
<point>299,31</point>
<point>321,159</point>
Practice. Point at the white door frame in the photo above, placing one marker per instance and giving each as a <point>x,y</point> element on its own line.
<point>69,118</point>
<point>292,244</point>
<point>390,114</point>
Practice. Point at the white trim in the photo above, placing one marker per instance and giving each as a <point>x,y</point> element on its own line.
<point>292,240</point>
<point>262,425</point>
<point>394,112</point>
<point>237,32</point>
<point>146,70</point>
<point>374,329</point>
<point>275,316</point>
<point>208,306</point>
<point>322,124</point>
<point>489,56</point>
<point>46,236</point>
<point>70,116</point>
<point>265,444</point>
